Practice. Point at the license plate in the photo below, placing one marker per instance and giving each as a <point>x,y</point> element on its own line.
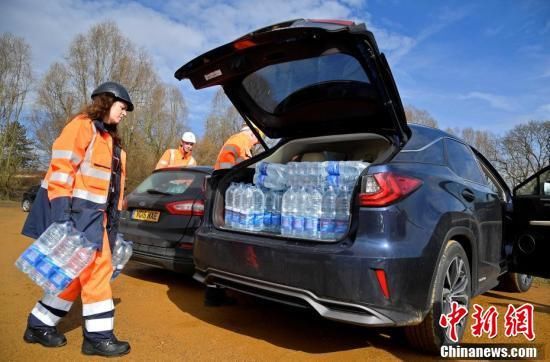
<point>146,215</point>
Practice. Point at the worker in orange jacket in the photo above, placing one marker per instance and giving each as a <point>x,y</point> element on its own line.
<point>236,149</point>
<point>84,185</point>
<point>180,157</point>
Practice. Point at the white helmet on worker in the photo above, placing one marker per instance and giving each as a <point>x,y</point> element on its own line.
<point>189,137</point>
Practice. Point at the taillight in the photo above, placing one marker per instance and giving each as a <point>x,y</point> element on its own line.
<point>186,246</point>
<point>187,207</point>
<point>381,189</point>
<point>198,208</point>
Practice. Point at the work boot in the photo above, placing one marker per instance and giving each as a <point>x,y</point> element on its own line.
<point>105,347</point>
<point>48,336</point>
<point>216,297</point>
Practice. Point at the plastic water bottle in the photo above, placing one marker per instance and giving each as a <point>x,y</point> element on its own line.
<point>246,220</point>
<point>66,248</point>
<point>237,199</point>
<point>229,202</point>
<point>312,204</point>
<point>318,176</point>
<point>276,212</point>
<point>28,262</point>
<point>29,259</point>
<point>80,258</point>
<point>270,175</point>
<point>313,213</point>
<point>298,209</point>
<point>350,171</point>
<point>52,236</point>
<point>268,209</point>
<point>121,254</point>
<point>342,213</point>
<point>328,214</point>
<point>46,268</point>
<point>258,209</point>
<point>332,167</point>
<point>57,281</point>
<point>288,203</point>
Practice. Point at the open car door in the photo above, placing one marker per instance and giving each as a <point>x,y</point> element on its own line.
<point>531,219</point>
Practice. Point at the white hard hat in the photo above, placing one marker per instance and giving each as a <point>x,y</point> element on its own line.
<point>188,137</point>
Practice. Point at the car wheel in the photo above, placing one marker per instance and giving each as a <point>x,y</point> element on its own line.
<point>452,284</point>
<point>26,205</point>
<point>515,283</point>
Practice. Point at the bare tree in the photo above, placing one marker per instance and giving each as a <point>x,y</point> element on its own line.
<point>55,103</point>
<point>222,122</point>
<point>524,150</point>
<point>15,80</point>
<point>419,116</point>
<point>105,54</point>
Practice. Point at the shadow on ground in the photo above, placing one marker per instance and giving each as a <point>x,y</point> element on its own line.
<point>283,326</point>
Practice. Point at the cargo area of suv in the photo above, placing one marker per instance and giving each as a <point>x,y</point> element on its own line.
<point>368,148</point>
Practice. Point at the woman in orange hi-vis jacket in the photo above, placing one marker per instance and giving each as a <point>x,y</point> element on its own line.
<point>84,185</point>
<point>236,149</point>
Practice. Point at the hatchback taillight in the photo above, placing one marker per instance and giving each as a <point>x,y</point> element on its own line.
<point>381,189</point>
<point>187,207</point>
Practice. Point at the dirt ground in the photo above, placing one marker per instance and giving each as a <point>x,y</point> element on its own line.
<point>162,315</point>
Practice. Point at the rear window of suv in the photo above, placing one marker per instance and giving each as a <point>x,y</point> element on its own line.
<point>271,85</point>
<point>462,161</point>
<point>174,182</point>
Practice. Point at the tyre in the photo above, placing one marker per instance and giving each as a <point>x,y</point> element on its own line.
<point>515,283</point>
<point>452,283</point>
<point>26,205</point>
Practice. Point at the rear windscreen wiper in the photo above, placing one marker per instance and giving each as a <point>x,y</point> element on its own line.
<point>157,192</point>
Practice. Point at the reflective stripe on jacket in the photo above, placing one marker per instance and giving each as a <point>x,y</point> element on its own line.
<point>76,186</point>
<point>235,150</point>
<point>175,158</point>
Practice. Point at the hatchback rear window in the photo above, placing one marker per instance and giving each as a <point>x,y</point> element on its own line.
<point>271,85</point>
<point>170,182</point>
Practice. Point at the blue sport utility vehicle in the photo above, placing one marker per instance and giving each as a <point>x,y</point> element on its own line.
<point>426,226</point>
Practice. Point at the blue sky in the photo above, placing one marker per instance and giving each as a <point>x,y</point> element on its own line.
<point>482,64</point>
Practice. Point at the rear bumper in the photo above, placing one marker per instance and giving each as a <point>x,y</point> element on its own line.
<point>182,264</point>
<point>337,280</point>
<point>150,248</point>
<point>327,308</point>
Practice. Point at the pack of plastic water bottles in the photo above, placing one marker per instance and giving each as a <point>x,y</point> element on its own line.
<point>121,253</point>
<point>300,199</point>
<point>57,257</point>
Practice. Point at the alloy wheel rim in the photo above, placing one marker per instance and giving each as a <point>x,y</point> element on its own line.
<point>525,279</point>
<point>455,289</point>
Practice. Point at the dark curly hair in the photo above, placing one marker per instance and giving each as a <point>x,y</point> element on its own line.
<point>99,109</point>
